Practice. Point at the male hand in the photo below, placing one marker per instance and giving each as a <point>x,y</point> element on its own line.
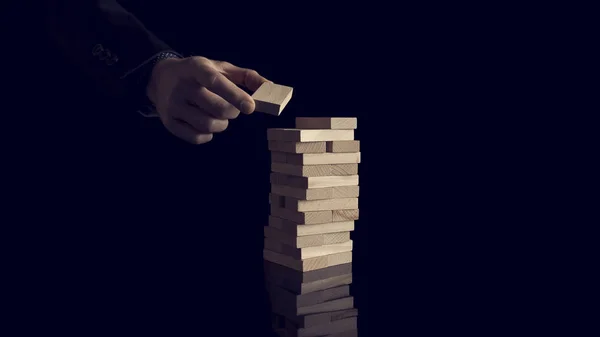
<point>195,97</point>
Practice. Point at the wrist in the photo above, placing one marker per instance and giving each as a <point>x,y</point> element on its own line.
<point>154,77</point>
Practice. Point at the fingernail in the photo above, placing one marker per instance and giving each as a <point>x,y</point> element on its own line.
<point>246,107</point>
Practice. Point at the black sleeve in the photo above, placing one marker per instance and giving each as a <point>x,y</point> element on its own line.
<point>105,41</point>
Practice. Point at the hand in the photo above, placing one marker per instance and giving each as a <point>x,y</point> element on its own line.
<point>195,97</point>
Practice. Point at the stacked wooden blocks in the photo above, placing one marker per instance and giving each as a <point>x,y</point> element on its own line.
<point>308,249</point>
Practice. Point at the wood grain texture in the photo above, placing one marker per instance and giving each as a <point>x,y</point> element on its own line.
<point>343,146</point>
<point>297,135</point>
<point>338,304</point>
<point>285,305</point>
<point>312,182</point>
<point>274,272</point>
<point>336,327</point>
<point>345,215</point>
<point>308,252</point>
<point>322,158</point>
<point>319,205</point>
<point>309,218</point>
<point>308,264</point>
<point>294,229</point>
<point>312,286</point>
<point>302,193</point>
<point>307,321</point>
<point>327,283</point>
<point>334,192</point>
<point>314,170</point>
<point>305,241</point>
<point>278,157</point>
<point>272,98</point>
<point>281,297</point>
<point>297,147</point>
<point>332,123</point>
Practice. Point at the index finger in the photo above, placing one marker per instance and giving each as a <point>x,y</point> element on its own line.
<point>249,78</point>
<point>216,82</point>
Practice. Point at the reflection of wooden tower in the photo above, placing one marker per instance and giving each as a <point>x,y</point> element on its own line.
<point>308,250</point>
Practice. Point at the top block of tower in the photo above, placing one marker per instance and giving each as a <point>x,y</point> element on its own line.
<point>271,98</point>
<point>334,123</point>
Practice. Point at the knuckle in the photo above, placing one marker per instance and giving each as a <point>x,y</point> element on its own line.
<point>224,63</point>
<point>199,60</point>
<point>212,79</point>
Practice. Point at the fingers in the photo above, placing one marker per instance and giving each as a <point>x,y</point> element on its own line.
<point>246,77</point>
<point>192,124</point>
<point>212,103</point>
<point>207,75</point>
<point>187,133</point>
<point>198,119</point>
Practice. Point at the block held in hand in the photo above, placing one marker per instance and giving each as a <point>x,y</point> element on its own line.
<point>271,98</point>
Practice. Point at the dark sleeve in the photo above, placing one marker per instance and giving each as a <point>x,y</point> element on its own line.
<point>105,41</point>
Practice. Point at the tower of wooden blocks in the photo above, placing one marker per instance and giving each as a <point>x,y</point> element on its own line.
<point>307,245</point>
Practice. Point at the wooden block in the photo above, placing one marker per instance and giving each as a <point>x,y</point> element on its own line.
<point>315,170</point>
<point>334,305</point>
<point>337,327</point>
<point>281,297</point>
<point>278,157</point>
<point>345,192</point>
<point>285,305</point>
<point>308,252</point>
<point>343,146</point>
<point>295,322</point>
<point>337,123</point>
<point>297,135</point>
<point>334,192</point>
<point>277,200</point>
<point>309,287</point>
<point>307,321</point>
<point>345,215</point>
<point>308,264</point>
<point>309,218</point>
<point>302,193</point>
<point>297,147</point>
<point>334,281</point>
<point>272,98</point>
<point>312,182</point>
<point>319,205</point>
<point>322,158</point>
<point>306,241</point>
<point>293,229</point>
<point>342,169</point>
<point>275,272</point>
<point>349,333</point>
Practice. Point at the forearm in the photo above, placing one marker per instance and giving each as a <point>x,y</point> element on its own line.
<point>103,40</point>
